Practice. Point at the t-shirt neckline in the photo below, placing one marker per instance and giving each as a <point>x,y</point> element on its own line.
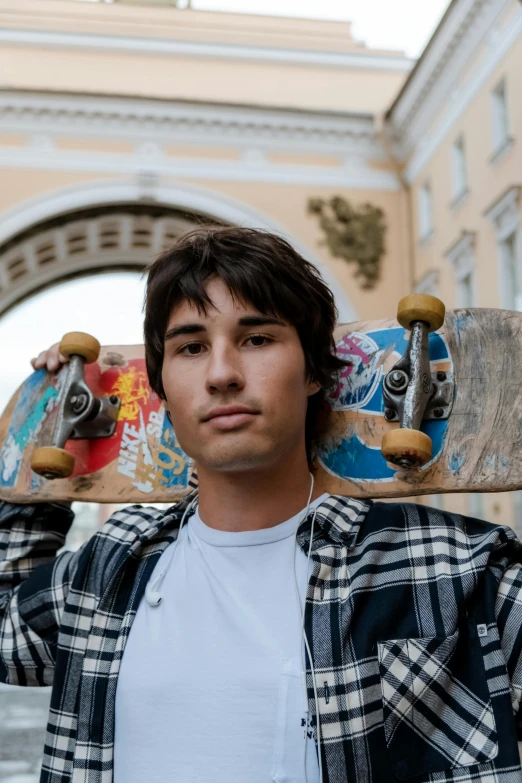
<point>248,537</point>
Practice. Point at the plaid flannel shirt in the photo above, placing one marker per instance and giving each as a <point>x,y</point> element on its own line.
<point>414,619</point>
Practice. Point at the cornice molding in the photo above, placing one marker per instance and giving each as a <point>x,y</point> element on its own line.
<point>257,169</point>
<point>499,45</point>
<point>435,82</point>
<point>186,122</point>
<point>461,254</point>
<point>162,46</point>
<point>447,43</point>
<point>508,201</point>
<point>428,283</point>
<point>504,214</point>
<point>154,126</point>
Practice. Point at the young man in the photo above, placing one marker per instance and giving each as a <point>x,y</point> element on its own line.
<point>261,630</point>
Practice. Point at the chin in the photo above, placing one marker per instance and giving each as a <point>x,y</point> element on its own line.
<point>235,460</point>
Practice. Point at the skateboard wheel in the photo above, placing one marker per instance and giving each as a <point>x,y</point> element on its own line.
<point>80,344</point>
<point>421,307</point>
<point>406,448</point>
<point>51,462</point>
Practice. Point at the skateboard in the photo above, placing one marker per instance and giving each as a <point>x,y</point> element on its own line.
<point>428,403</point>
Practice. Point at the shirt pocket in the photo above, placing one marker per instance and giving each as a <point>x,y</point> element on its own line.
<point>436,707</point>
<point>291,728</point>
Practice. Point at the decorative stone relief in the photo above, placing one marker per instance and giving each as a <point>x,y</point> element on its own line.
<point>354,234</point>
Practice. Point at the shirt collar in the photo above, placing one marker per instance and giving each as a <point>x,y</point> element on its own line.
<point>340,518</point>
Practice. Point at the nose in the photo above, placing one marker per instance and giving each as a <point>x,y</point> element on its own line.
<point>224,370</point>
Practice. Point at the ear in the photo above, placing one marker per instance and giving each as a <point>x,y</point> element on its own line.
<point>313,388</point>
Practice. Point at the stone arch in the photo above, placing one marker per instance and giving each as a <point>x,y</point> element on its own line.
<point>115,226</point>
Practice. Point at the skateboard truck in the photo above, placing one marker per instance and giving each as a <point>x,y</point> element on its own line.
<point>411,392</point>
<point>81,414</point>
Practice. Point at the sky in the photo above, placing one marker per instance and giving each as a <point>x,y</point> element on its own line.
<point>108,306</point>
<point>403,24</point>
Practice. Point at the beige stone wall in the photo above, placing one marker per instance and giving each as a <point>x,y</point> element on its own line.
<point>488,180</point>
<point>99,69</point>
<point>288,205</point>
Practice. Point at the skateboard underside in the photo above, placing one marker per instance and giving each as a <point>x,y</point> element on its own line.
<point>478,448</point>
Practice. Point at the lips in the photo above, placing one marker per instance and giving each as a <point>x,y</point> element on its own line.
<point>229,410</point>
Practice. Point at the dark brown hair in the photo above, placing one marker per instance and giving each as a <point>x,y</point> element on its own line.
<point>258,268</point>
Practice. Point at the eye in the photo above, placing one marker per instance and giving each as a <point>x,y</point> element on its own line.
<point>260,337</point>
<point>187,349</point>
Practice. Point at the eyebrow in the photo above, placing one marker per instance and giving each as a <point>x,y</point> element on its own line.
<point>247,320</point>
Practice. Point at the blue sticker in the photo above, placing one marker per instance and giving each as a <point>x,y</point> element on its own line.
<point>177,464</point>
<point>361,389</point>
<point>26,420</point>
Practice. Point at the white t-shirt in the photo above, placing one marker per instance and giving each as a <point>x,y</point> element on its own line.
<point>210,686</point>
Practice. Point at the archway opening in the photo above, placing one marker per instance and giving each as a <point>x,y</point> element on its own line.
<point>113,237</point>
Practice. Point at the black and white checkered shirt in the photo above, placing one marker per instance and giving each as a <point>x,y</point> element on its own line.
<point>414,619</point>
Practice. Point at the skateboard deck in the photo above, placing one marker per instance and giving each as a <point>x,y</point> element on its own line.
<point>476,446</point>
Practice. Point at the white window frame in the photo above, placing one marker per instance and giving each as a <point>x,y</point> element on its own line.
<point>429,283</point>
<point>506,218</point>
<point>459,170</point>
<point>461,256</point>
<point>500,121</point>
<point>425,205</point>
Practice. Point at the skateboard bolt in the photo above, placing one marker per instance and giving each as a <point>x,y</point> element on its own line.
<point>113,399</point>
<point>438,412</point>
<point>389,414</point>
<point>78,402</point>
<point>397,380</point>
<point>441,376</point>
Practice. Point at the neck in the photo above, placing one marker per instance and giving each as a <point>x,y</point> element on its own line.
<point>254,499</point>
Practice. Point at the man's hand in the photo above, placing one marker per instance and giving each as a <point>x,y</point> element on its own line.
<point>51,359</point>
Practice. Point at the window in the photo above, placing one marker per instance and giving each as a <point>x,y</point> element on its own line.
<point>466,290</point>
<point>462,258</point>
<point>428,283</point>
<point>505,216</point>
<point>499,116</point>
<point>425,211</point>
<point>459,177</point>
<point>510,260</point>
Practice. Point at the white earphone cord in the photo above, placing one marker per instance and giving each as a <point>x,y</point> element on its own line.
<point>302,608</point>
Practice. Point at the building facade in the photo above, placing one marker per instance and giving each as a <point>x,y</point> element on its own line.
<point>122,124</point>
<point>455,127</point>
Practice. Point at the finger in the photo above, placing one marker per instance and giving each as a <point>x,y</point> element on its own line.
<point>40,360</point>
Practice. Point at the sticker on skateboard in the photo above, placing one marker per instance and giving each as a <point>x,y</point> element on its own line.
<point>355,456</point>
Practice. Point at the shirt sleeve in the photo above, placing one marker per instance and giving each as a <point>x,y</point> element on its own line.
<point>508,610</point>
<point>34,584</point>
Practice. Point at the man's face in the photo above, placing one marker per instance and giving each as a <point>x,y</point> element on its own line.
<point>234,356</point>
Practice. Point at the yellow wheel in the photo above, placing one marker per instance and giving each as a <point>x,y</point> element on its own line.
<point>406,448</point>
<point>421,307</point>
<point>80,344</point>
<point>51,462</point>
